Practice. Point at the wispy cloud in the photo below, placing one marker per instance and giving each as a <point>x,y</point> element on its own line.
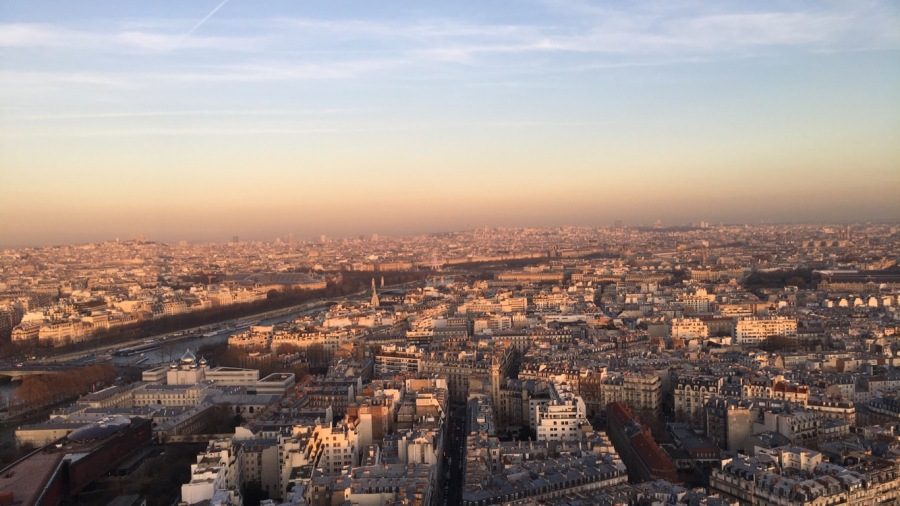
<point>113,115</point>
<point>250,72</point>
<point>336,128</point>
<point>180,132</point>
<point>29,79</point>
<point>423,30</point>
<point>276,71</point>
<point>164,42</point>
<point>690,34</point>
<point>574,27</point>
<point>54,37</point>
<point>571,36</point>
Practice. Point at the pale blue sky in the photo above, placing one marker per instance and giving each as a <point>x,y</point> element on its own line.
<point>204,119</point>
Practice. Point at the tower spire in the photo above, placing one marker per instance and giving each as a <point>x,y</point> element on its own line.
<point>375,302</point>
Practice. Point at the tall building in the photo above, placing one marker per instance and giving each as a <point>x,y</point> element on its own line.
<point>729,422</point>
<point>561,420</point>
<point>692,394</point>
<point>500,368</point>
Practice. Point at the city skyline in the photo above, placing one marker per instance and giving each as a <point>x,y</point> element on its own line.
<point>375,235</point>
<point>205,120</point>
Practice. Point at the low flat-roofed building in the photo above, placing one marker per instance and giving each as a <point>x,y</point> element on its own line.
<point>276,383</point>
<point>40,434</point>
<point>155,375</point>
<point>232,376</point>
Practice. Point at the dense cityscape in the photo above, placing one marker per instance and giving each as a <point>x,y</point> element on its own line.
<point>696,364</point>
<point>449,253</point>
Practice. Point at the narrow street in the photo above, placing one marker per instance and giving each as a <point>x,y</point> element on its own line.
<point>454,456</point>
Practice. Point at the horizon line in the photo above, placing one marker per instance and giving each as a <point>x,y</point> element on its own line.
<point>307,238</point>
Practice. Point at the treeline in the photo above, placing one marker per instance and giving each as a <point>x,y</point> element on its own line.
<point>220,420</point>
<point>516,263</point>
<point>43,390</point>
<point>519,263</point>
<point>274,300</point>
<point>139,330</point>
<point>281,361</point>
<point>345,283</point>
<point>354,281</point>
<point>801,278</point>
<point>602,255</point>
<point>791,344</point>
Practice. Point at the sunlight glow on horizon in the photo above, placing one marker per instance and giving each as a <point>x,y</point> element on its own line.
<point>121,119</point>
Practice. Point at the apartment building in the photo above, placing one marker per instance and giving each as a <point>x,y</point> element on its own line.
<point>754,330</point>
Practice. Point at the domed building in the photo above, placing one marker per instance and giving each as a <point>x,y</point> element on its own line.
<point>187,370</point>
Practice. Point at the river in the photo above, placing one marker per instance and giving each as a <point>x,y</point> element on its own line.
<point>169,351</point>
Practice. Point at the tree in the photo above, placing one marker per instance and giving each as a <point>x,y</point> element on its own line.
<point>42,390</point>
<point>318,357</point>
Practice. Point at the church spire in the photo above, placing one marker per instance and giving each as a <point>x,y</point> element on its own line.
<point>375,302</point>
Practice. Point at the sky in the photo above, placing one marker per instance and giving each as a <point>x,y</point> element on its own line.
<point>204,119</point>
